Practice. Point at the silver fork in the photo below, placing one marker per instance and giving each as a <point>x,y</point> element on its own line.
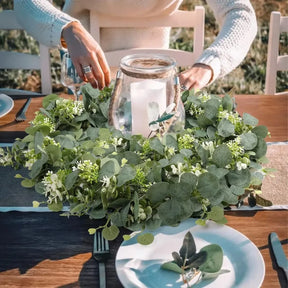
<point>101,253</point>
<point>21,115</point>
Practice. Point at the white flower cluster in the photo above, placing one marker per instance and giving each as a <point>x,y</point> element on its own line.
<point>53,187</point>
<point>5,158</point>
<point>88,170</point>
<point>30,157</point>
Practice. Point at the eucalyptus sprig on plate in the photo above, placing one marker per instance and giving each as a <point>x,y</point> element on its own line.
<point>193,265</point>
<point>75,158</point>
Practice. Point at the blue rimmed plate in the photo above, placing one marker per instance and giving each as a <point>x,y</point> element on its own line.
<point>140,266</point>
<point>6,104</point>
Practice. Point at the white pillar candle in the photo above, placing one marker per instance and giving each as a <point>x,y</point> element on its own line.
<point>143,93</point>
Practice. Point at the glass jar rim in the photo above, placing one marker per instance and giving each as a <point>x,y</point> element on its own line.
<point>148,65</point>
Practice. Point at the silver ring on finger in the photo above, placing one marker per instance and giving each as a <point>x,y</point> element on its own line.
<point>87,69</point>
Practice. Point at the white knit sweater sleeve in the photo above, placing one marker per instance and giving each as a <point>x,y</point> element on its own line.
<point>42,20</point>
<point>238,29</point>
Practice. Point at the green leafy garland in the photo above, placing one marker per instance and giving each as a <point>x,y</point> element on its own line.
<point>74,157</point>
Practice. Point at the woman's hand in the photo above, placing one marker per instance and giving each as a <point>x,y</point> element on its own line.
<point>86,52</point>
<point>196,77</point>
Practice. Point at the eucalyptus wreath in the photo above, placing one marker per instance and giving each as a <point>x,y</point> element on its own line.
<point>75,158</point>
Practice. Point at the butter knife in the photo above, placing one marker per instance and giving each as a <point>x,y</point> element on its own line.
<point>279,253</point>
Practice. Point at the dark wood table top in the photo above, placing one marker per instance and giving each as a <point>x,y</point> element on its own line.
<point>47,250</point>
<point>42,249</point>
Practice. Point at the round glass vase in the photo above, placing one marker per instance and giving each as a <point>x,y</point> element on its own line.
<point>146,98</point>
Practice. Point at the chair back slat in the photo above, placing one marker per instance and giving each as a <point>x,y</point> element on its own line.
<point>275,62</point>
<point>186,19</point>
<point>17,60</point>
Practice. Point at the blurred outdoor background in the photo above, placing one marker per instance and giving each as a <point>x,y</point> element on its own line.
<point>248,78</point>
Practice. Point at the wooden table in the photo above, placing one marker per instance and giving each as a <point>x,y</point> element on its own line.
<point>271,111</point>
<point>45,250</point>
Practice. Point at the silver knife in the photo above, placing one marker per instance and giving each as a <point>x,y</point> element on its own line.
<point>279,253</point>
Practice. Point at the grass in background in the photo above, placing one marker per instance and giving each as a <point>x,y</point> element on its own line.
<point>248,78</point>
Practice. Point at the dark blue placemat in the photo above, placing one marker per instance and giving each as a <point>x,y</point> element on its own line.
<point>12,193</point>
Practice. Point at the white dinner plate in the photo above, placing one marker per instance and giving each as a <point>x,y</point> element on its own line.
<point>6,104</point>
<point>139,265</point>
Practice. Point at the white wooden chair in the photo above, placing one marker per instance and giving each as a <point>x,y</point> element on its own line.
<point>275,62</point>
<point>188,19</point>
<point>17,60</point>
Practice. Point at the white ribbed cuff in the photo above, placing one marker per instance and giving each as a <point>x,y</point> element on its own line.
<point>213,62</point>
<point>57,27</point>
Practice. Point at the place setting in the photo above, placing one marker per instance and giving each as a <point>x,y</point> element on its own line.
<point>231,259</point>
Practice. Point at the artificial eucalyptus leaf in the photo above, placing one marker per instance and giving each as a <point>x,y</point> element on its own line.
<point>203,154</point>
<point>27,183</point>
<point>153,223</point>
<point>37,166</point>
<point>92,133</point>
<point>49,99</point>
<point>211,132</point>
<point>249,119</point>
<point>66,141</point>
<point>172,266</point>
<point>190,179</point>
<point>188,248</point>
<point>109,168</point>
<point>208,276</point>
<point>239,178</point>
<point>38,141</point>
<point>214,259</point>
<point>145,238</point>
<point>186,152</point>
<point>156,145</point>
<point>211,109</point>
<point>196,260</point>
<point>171,212</point>
<point>216,213</point>
<point>225,128</point>
<point>77,209</point>
<point>40,187</point>
<point>203,121</point>
<point>222,156</point>
<point>170,140</point>
<point>218,172</point>
<point>261,148</point>
<point>217,198</point>
<point>54,153</point>
<point>261,131</point>
<point>158,192</point>
<point>177,259</point>
<point>208,184</point>
<point>97,213</point>
<point>248,140</point>
<point>227,102</point>
<point>56,207</point>
<point>237,190</point>
<point>71,179</point>
<point>126,174</point>
<point>104,134</point>
<point>111,232</point>
<point>180,191</point>
<point>126,237</point>
<point>229,197</point>
<point>104,107</point>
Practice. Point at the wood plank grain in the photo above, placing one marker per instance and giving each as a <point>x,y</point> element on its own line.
<point>46,250</point>
<point>270,110</point>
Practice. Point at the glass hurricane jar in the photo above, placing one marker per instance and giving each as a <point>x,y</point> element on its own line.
<point>146,99</point>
